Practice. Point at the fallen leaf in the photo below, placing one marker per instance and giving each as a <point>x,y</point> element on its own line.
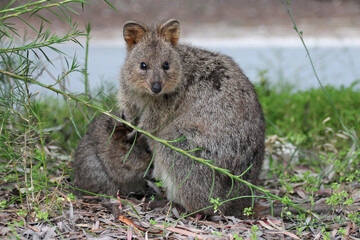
<point>265,225</point>
<point>276,224</point>
<point>289,234</point>
<point>302,194</point>
<point>180,231</point>
<point>34,228</point>
<point>129,222</point>
<point>130,233</point>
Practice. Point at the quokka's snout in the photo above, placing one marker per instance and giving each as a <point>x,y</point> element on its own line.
<point>156,87</point>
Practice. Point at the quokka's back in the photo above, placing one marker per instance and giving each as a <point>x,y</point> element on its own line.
<point>177,90</point>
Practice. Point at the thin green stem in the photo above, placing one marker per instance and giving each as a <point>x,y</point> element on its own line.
<point>286,3</point>
<point>43,158</point>
<point>86,74</point>
<point>53,40</point>
<point>11,155</point>
<point>36,6</point>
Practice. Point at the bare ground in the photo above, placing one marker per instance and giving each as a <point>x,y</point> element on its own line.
<point>92,217</point>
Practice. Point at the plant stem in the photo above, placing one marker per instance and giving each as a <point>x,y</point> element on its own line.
<point>11,155</point>
<point>47,43</point>
<point>36,7</point>
<point>286,3</point>
<point>86,74</point>
<point>43,158</point>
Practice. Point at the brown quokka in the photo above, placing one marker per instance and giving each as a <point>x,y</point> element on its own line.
<point>100,162</point>
<point>180,91</point>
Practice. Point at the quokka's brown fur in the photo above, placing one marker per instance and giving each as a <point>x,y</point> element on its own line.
<point>100,165</point>
<point>177,90</point>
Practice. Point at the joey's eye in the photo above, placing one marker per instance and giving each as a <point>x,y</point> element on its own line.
<point>166,66</point>
<point>148,150</point>
<point>143,66</point>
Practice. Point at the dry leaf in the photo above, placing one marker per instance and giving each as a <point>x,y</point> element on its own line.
<point>289,234</point>
<point>180,231</point>
<point>129,222</point>
<point>265,225</point>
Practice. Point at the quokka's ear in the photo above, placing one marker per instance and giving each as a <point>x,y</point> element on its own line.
<point>120,132</point>
<point>132,136</point>
<point>133,33</point>
<point>170,30</point>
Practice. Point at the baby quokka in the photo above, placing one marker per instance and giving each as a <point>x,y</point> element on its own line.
<point>177,91</point>
<point>106,162</point>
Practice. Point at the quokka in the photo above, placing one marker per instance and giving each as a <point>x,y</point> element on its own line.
<point>177,91</point>
<point>100,162</point>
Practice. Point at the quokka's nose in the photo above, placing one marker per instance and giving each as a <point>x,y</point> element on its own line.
<point>156,87</point>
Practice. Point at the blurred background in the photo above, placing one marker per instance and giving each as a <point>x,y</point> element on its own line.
<point>258,34</point>
<point>219,18</point>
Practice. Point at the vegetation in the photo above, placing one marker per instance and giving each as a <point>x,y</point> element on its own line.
<point>313,149</point>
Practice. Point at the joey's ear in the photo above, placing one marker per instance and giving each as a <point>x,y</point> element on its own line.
<point>120,132</point>
<point>170,30</point>
<point>133,33</point>
<point>132,136</point>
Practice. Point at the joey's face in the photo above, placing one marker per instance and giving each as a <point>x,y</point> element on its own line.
<point>153,67</point>
<point>140,154</point>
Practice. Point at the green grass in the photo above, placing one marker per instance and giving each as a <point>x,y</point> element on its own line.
<point>305,116</point>
<point>66,122</point>
<point>306,120</point>
<point>299,116</point>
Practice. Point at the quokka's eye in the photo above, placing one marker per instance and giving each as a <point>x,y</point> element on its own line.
<point>166,66</point>
<point>143,66</point>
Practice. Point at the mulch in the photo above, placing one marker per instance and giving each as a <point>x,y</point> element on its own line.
<point>89,219</point>
<point>96,217</point>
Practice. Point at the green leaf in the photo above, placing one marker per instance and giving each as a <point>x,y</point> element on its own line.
<point>111,6</point>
